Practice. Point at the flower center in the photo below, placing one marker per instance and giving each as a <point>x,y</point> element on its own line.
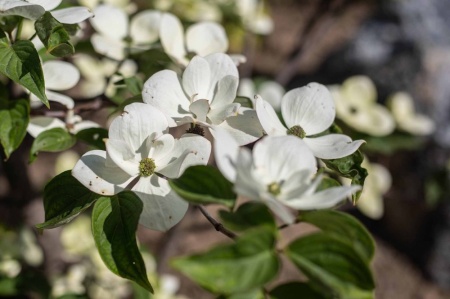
<point>297,131</point>
<point>196,129</point>
<point>147,167</point>
<point>274,188</point>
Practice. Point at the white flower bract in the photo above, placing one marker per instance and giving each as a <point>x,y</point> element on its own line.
<point>307,111</point>
<point>139,148</point>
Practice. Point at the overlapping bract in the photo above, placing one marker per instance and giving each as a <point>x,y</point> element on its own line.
<point>139,148</point>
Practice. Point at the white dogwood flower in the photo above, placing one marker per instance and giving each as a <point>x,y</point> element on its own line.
<point>356,105</point>
<point>308,111</point>
<point>34,9</point>
<point>110,39</point>
<point>254,17</point>
<point>280,172</point>
<point>140,148</point>
<point>402,108</point>
<point>204,95</point>
<point>202,38</point>
<point>270,91</point>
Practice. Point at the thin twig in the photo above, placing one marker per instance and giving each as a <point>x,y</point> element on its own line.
<point>217,225</point>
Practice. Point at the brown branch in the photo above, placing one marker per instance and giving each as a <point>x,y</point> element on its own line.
<point>217,225</point>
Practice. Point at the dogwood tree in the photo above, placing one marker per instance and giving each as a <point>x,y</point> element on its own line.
<point>155,159</point>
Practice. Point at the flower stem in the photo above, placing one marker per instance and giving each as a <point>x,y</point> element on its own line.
<point>19,30</point>
<point>217,225</point>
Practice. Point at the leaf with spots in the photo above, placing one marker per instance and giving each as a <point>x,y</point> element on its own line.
<point>64,199</point>
<point>114,223</point>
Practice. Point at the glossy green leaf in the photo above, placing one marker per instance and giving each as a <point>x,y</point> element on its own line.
<point>248,215</point>
<point>243,266</point>
<point>53,35</point>
<point>295,290</point>
<point>204,185</point>
<point>14,116</point>
<point>64,199</point>
<point>345,227</point>
<point>350,167</point>
<point>114,223</point>
<point>94,137</point>
<point>53,140</point>
<point>333,265</point>
<point>20,62</point>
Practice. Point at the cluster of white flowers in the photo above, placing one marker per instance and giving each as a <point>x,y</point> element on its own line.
<point>141,155</point>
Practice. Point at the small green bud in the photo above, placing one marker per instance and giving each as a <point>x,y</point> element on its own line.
<point>147,167</point>
<point>297,131</point>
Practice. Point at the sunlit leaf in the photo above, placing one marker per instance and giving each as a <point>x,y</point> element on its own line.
<point>14,116</point>
<point>204,185</point>
<point>20,62</point>
<point>243,266</point>
<point>53,35</point>
<point>53,140</point>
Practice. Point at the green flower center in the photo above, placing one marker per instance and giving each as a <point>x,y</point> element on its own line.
<point>297,131</point>
<point>274,188</point>
<point>147,167</point>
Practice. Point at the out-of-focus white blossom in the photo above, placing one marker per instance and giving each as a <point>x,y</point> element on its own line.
<point>402,108</point>
<point>356,105</point>
<point>271,91</point>
<point>254,16</point>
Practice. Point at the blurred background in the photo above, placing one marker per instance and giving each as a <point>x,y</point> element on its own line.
<point>388,66</point>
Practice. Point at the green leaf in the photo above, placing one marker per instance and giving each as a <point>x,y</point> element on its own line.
<point>53,35</point>
<point>350,167</point>
<point>64,199</point>
<point>249,215</point>
<point>53,140</point>
<point>345,227</point>
<point>394,142</point>
<point>94,137</point>
<point>134,99</point>
<point>295,290</point>
<point>204,185</point>
<point>30,283</point>
<point>151,61</point>
<point>20,62</point>
<point>243,266</point>
<point>327,183</point>
<point>114,223</point>
<point>244,101</point>
<point>14,116</point>
<point>133,84</point>
<point>9,23</point>
<point>333,266</point>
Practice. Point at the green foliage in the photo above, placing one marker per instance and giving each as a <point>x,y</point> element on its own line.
<point>20,62</point>
<point>93,137</point>
<point>204,185</point>
<point>9,23</point>
<point>350,167</point>
<point>133,84</point>
<point>295,290</point>
<point>255,294</point>
<point>14,116</point>
<point>29,283</point>
<point>53,35</point>
<point>345,227</point>
<point>394,142</point>
<point>247,216</point>
<point>134,99</point>
<point>64,199</point>
<point>114,223</point>
<point>327,183</point>
<point>244,101</point>
<point>53,140</point>
<point>333,266</point>
<point>151,61</point>
<point>243,266</point>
